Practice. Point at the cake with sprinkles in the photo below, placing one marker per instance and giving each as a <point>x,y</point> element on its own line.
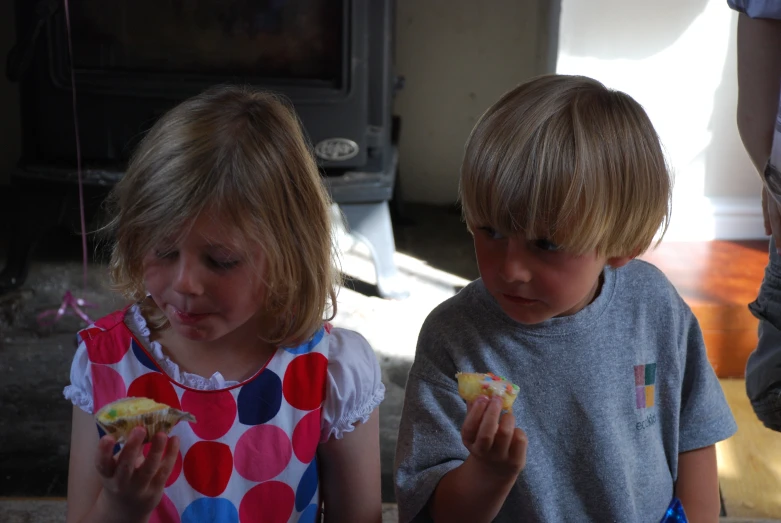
<point>119,418</point>
<point>474,384</point>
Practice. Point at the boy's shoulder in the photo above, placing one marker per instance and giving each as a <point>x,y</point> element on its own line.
<point>456,309</point>
<point>641,279</point>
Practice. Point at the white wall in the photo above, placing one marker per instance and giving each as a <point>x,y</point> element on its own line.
<point>678,59</point>
<point>458,57</point>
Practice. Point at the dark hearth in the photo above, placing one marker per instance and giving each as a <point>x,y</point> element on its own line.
<point>135,59</point>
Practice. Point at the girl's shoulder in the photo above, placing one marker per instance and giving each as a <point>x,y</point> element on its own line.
<point>354,386</point>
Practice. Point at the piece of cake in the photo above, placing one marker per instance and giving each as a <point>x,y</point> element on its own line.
<point>119,418</point>
<point>474,384</point>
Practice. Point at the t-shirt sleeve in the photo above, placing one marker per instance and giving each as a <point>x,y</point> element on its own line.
<point>79,392</point>
<point>354,385</point>
<point>705,416</point>
<point>757,8</point>
<point>429,442</point>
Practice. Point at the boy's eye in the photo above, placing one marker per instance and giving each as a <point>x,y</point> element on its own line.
<point>546,245</point>
<point>492,233</point>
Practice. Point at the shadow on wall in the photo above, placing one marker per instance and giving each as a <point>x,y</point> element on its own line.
<point>646,24</point>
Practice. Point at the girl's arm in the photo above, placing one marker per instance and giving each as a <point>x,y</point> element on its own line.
<point>84,483</point>
<point>350,472</point>
<point>698,485</point>
<point>103,488</point>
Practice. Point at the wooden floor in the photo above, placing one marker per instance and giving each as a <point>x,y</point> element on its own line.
<point>718,280</point>
<point>750,461</point>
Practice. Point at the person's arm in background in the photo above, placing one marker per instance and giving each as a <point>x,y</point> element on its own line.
<point>759,84</point>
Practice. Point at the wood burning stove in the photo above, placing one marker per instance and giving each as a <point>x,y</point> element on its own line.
<point>135,59</point>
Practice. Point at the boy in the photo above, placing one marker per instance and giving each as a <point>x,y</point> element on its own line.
<point>563,183</point>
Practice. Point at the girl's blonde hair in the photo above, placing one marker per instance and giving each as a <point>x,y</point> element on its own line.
<point>239,154</point>
<point>566,159</point>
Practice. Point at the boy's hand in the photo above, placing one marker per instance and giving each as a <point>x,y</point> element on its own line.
<point>133,484</point>
<point>493,439</point>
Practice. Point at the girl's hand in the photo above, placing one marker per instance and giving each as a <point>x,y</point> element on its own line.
<point>493,439</point>
<point>133,484</point>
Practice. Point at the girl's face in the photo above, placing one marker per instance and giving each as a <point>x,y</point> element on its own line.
<point>534,280</point>
<point>207,285</point>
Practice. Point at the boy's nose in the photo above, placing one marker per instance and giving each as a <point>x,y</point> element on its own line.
<point>187,279</point>
<point>515,267</point>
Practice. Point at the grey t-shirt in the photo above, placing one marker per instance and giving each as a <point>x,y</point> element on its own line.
<point>608,398</point>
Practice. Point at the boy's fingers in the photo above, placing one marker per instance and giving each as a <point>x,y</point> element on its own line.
<point>504,435</point>
<point>488,425</point>
<point>474,413</point>
<point>166,464</point>
<point>518,445</point>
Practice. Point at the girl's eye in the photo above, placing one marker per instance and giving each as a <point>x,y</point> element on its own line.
<point>546,245</point>
<point>492,233</point>
<point>165,255</point>
<point>223,265</point>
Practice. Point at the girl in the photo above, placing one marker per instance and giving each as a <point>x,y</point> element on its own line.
<point>223,246</point>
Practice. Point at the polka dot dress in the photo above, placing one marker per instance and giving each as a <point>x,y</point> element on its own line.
<point>251,455</point>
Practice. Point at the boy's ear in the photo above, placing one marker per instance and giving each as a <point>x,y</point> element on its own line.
<point>619,261</point>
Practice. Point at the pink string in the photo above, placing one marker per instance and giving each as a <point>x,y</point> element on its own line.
<point>69,301</point>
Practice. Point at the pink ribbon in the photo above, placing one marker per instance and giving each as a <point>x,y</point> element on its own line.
<point>69,301</point>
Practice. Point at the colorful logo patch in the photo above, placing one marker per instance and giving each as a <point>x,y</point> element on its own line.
<point>645,378</point>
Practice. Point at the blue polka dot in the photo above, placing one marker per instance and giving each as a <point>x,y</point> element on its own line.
<point>142,356</point>
<point>309,345</point>
<point>260,399</point>
<point>102,433</point>
<point>307,487</point>
<point>214,510</point>
<point>309,515</point>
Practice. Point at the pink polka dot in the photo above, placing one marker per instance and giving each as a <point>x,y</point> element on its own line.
<point>174,475</point>
<point>165,512</point>
<point>107,386</point>
<point>106,347</point>
<point>156,386</point>
<point>304,384</point>
<point>306,436</point>
<point>270,502</point>
<point>208,466</point>
<point>216,412</point>
<point>262,452</point>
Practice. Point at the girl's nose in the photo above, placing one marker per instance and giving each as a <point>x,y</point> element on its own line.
<point>187,279</point>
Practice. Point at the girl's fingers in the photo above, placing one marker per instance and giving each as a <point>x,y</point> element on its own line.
<point>488,425</point>
<point>166,464</point>
<point>104,458</point>
<point>474,414</point>
<point>151,463</point>
<point>126,463</point>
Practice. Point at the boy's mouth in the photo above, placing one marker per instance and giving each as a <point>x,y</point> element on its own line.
<point>518,299</point>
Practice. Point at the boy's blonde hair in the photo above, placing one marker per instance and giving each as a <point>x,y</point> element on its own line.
<point>564,158</point>
<point>240,155</point>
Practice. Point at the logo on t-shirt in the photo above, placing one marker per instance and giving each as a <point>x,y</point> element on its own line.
<point>645,378</point>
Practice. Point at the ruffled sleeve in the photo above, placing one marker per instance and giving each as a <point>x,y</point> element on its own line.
<point>79,392</point>
<point>354,386</point>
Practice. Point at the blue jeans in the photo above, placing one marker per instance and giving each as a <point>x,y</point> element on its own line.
<point>763,370</point>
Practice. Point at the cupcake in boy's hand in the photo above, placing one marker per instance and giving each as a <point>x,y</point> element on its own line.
<point>474,384</point>
<point>122,416</point>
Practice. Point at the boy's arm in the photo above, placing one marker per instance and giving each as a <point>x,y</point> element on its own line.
<point>698,485</point>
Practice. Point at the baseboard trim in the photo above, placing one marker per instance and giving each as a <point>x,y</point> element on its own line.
<point>716,218</point>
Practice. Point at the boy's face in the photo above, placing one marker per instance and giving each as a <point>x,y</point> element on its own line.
<point>532,280</point>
